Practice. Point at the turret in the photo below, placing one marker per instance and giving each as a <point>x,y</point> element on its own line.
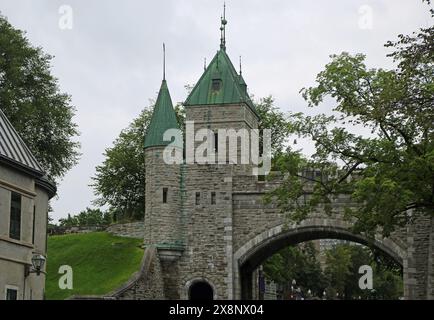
<point>163,197</point>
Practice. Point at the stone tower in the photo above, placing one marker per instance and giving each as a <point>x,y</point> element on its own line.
<point>188,214</point>
<point>218,101</point>
<point>162,225</point>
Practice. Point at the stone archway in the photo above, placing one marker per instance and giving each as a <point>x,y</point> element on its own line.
<point>200,289</point>
<point>250,255</point>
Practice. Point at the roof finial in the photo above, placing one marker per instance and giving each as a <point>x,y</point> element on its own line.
<point>164,61</point>
<point>241,70</point>
<point>224,22</point>
<point>204,64</point>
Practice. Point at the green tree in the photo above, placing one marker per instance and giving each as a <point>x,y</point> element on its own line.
<point>275,120</point>
<point>296,263</point>
<point>359,256</point>
<point>390,171</point>
<point>69,221</point>
<point>342,270</point>
<point>87,218</point>
<point>338,265</point>
<point>31,99</point>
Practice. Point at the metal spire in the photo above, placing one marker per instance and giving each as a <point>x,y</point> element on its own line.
<point>224,22</point>
<point>204,64</point>
<point>241,70</point>
<point>164,61</point>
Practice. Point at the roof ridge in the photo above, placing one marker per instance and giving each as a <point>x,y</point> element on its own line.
<point>13,147</point>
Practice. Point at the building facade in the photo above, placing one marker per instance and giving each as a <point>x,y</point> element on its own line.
<point>24,195</point>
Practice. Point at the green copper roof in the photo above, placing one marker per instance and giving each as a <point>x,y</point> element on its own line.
<point>220,84</point>
<point>163,118</point>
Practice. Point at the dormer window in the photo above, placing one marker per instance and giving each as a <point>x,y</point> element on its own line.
<point>216,85</point>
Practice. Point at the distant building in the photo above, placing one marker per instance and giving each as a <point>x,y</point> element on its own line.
<point>24,195</point>
<point>324,245</point>
<point>270,292</point>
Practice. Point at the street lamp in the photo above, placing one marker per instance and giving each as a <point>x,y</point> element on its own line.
<point>38,261</point>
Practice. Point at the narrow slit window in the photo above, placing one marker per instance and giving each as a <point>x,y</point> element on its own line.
<point>165,191</point>
<point>216,142</point>
<point>213,198</point>
<point>197,198</point>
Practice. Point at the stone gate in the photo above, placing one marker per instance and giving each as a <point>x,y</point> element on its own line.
<point>209,223</point>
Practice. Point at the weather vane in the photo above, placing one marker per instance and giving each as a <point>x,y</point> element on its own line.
<point>224,22</point>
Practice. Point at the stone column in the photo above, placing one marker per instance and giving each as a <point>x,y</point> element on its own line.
<point>418,267</point>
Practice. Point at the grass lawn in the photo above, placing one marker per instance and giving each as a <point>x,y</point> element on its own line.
<point>100,263</point>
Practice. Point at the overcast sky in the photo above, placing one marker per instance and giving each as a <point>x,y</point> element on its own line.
<point>110,60</point>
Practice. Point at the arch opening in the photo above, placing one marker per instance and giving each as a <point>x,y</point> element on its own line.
<point>260,251</point>
<point>200,291</point>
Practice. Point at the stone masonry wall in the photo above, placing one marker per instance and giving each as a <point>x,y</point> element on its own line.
<point>208,231</point>
<point>129,230</point>
<point>162,225</point>
<point>418,272</point>
<point>147,284</point>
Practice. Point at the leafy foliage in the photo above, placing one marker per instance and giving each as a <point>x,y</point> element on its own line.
<point>275,120</point>
<point>299,263</point>
<point>30,98</point>
<point>342,271</point>
<point>390,171</point>
<point>339,278</point>
<point>87,218</point>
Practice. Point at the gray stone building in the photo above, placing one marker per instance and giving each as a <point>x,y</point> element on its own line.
<point>207,228</point>
<point>24,195</point>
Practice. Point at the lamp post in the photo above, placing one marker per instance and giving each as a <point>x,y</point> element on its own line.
<point>38,261</point>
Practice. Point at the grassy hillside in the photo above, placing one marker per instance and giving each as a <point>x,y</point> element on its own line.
<point>100,263</point>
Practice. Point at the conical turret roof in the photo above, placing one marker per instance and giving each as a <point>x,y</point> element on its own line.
<point>163,118</point>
